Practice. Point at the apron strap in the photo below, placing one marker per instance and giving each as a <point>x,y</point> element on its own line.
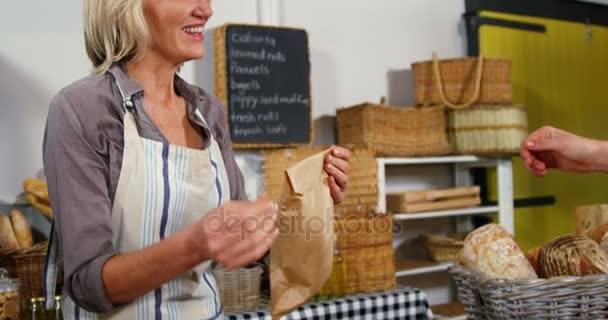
<point>127,104</point>
<point>52,264</point>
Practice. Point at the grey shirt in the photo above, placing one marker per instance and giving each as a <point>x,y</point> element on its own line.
<point>83,148</point>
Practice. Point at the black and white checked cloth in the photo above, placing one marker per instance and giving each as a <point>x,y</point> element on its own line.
<point>401,303</point>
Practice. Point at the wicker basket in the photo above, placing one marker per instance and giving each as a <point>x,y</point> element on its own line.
<point>362,195</point>
<point>490,130</point>
<point>365,261</point>
<point>394,131</point>
<point>583,298</point>
<point>462,81</point>
<point>239,288</point>
<point>28,266</point>
<point>442,248</point>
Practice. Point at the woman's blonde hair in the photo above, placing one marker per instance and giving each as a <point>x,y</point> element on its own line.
<point>114,31</point>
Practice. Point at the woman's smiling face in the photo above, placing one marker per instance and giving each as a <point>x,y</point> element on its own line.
<point>177,28</point>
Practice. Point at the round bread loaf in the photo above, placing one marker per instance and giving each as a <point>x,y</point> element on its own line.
<point>572,255</point>
<point>597,233</point>
<point>492,252</point>
<point>532,256</point>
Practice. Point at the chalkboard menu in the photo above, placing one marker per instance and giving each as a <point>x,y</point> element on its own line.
<point>262,74</point>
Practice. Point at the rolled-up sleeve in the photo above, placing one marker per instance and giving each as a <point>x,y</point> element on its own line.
<point>78,187</point>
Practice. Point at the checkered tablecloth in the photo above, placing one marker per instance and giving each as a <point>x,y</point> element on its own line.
<point>401,303</point>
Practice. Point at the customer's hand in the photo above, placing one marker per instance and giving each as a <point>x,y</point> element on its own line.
<point>549,147</point>
<point>336,166</point>
<point>238,233</point>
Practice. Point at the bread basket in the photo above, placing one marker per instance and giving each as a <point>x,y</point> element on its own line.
<point>583,298</point>
<point>28,266</point>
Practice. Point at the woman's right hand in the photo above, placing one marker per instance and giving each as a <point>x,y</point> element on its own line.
<point>238,232</point>
<point>549,147</point>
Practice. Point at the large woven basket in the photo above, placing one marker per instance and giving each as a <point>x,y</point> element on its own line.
<point>365,259</point>
<point>394,131</point>
<point>489,130</point>
<point>362,195</point>
<point>463,81</point>
<point>239,288</point>
<point>583,298</point>
<point>28,266</point>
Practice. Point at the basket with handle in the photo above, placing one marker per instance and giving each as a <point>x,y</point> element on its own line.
<point>583,298</point>
<point>459,83</point>
<point>476,124</point>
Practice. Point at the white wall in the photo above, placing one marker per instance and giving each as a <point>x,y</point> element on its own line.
<point>360,50</point>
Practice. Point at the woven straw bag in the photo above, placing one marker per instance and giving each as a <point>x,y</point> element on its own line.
<point>475,127</point>
<point>463,81</point>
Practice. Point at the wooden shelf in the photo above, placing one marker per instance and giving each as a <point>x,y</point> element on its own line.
<point>415,267</point>
<point>429,160</point>
<point>449,311</point>
<point>445,213</point>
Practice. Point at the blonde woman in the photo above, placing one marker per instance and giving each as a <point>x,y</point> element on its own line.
<point>141,173</point>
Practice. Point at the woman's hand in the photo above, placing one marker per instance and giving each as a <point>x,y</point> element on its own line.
<point>239,232</point>
<point>336,166</point>
<point>549,147</point>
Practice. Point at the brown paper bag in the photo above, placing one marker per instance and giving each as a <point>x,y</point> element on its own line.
<point>301,256</point>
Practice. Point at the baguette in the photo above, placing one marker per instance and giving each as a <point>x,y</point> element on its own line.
<point>22,229</point>
<point>8,241</point>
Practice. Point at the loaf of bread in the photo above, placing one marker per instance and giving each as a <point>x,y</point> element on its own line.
<point>532,256</point>
<point>22,229</point>
<point>597,233</point>
<point>572,255</point>
<point>492,252</point>
<point>8,241</point>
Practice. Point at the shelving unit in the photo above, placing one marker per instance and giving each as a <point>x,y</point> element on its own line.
<point>461,177</point>
<point>412,268</point>
<point>445,213</point>
<point>460,168</point>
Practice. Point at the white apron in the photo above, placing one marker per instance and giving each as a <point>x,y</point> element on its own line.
<point>162,188</point>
